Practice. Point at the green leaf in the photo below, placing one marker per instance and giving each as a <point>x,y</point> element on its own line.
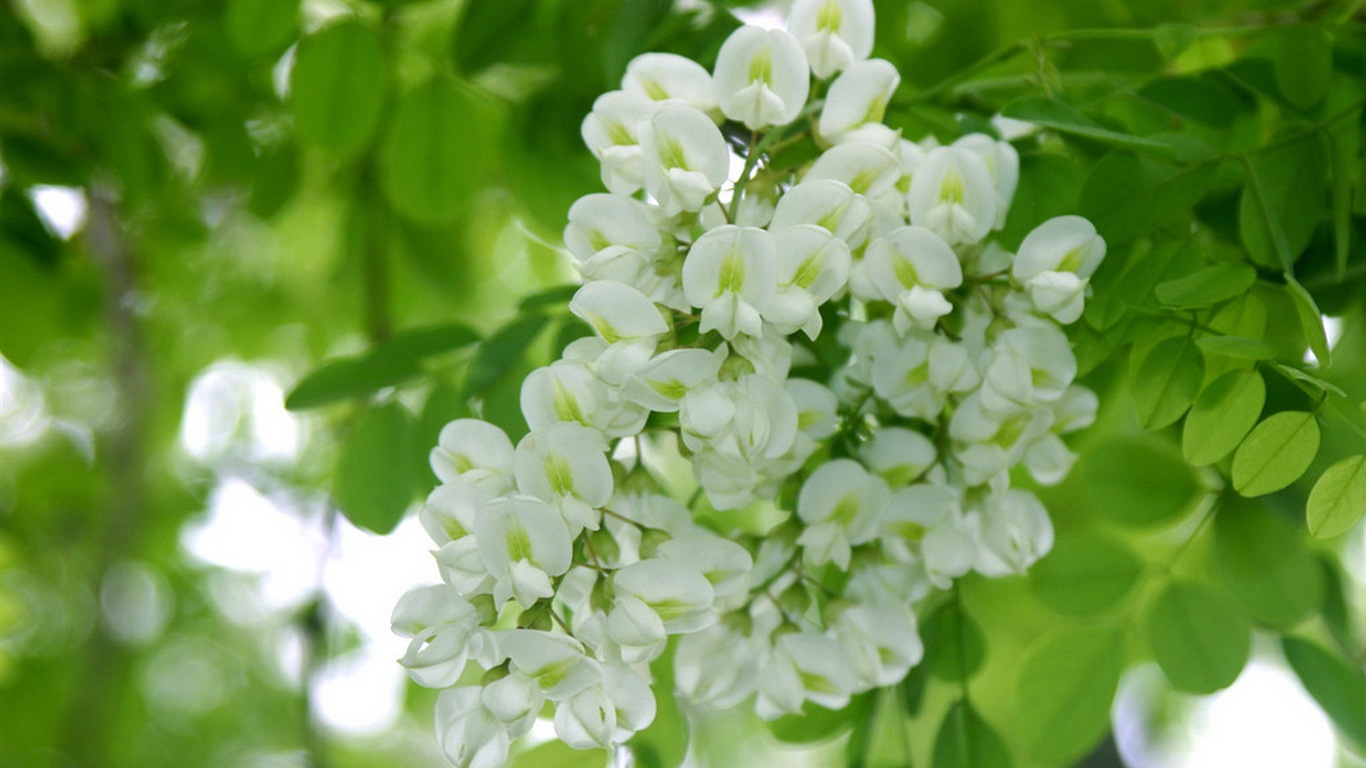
<point>1064,118</point>
<point>1085,574</point>
<point>665,742</point>
<point>501,351</point>
<point>1303,61</point>
<point>349,377</point>
<point>1210,285</point>
<point>436,151</point>
<point>1240,347</point>
<point>1127,197</point>
<point>426,341</point>
<point>1223,414</point>
<point>954,645</point>
<point>1276,453</point>
<point>1344,146</point>
<point>1310,379</point>
<point>1173,39</point>
<point>258,27</point>
<point>550,297</point>
<point>1338,500</point>
<point>1166,380</point>
<point>1336,684</point>
<point>1049,186</point>
<point>1197,638</point>
<point>1137,483</point>
<point>816,723</point>
<point>373,482</point>
<point>1283,200</point>
<point>965,740</point>
<point>1311,320</point>
<point>1063,695</point>
<point>1264,565</point>
<point>485,29</point>
<point>337,86</point>
<point>557,754</point>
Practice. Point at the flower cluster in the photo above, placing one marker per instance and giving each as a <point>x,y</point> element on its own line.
<point>568,561</point>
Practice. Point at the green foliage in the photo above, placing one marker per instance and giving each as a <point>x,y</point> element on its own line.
<point>337,87</point>
<point>436,151</point>
<point>1264,565</point>
<point>954,646</point>
<point>369,486</point>
<point>1137,483</point>
<point>1275,453</point>
<point>1166,380</point>
<point>1338,500</point>
<point>1063,694</point>
<point>1085,574</point>
<point>1337,685</point>
<point>965,740</point>
<point>1223,414</point>
<point>1200,641</point>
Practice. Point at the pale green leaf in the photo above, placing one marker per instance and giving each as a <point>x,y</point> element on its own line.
<point>1085,574</point>
<point>1240,347</point>
<point>1166,380</point>
<point>1197,638</point>
<point>965,740</point>
<point>374,482</point>
<point>1311,320</point>
<point>1207,286</point>
<point>1064,691</point>
<point>1223,414</point>
<point>1338,500</point>
<point>259,27</point>
<point>436,151</point>
<point>501,351</point>
<point>1335,683</point>
<point>1137,483</point>
<point>1276,453</point>
<point>337,86</point>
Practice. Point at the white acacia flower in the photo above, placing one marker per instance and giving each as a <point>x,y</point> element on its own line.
<point>558,663</point>
<point>841,505</point>
<point>805,666</point>
<point>668,78</point>
<point>911,267</point>
<point>637,630</point>
<point>612,132</point>
<point>586,720</point>
<point>901,376</point>
<point>612,238</point>
<point>662,383</point>
<point>450,510</point>
<point>899,455</point>
<point>1061,244</point>
<point>618,312</point>
<point>1016,532</point>
<point>564,464</point>
<point>1028,365</point>
<point>684,158</point>
<point>834,33</point>
<point>514,701</point>
<point>932,515</point>
<point>817,408</point>
<point>631,697</point>
<point>953,194</point>
<point>1048,459</point>
<point>867,168</point>
<point>988,443</point>
<point>443,628</point>
<point>474,451</point>
<point>462,566</point>
<point>770,354</point>
<point>716,667</point>
<point>813,265</point>
<point>1003,163</point>
<point>522,543</point>
<point>881,641</point>
<point>750,417</point>
<point>828,204</point>
<point>1060,295</point>
<point>761,77</point>
<point>723,563</point>
<point>731,274</point>
<point>563,391</point>
<point>469,734</point>
<point>858,98</point>
<point>676,591</point>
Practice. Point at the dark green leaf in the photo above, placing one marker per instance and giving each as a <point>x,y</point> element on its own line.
<point>417,343</point>
<point>1311,320</point>
<point>374,483</point>
<point>1298,375</point>
<point>436,151</point>
<point>1137,483</point>
<point>1049,186</point>
<point>954,646</point>
<point>1126,197</point>
<point>1276,453</point>
<point>1237,346</point>
<point>1173,39</point>
<point>965,740</point>
<point>501,351</point>
<point>1197,638</point>
<point>816,723</point>
<point>1336,684</point>
<point>1282,200</point>
<point>550,297</point>
<point>486,27</point>
<point>1064,118</point>
<point>1338,500</point>
<point>337,86</point>
<point>259,27</point>
<point>1085,574</point>
<point>1264,565</point>
<point>1210,285</point>
<point>1063,695</point>
<point>349,377</point>
<point>1223,414</point>
<point>1166,380</point>
<point>1304,63</point>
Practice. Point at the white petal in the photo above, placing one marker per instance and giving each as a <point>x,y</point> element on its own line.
<point>834,33</point>
<point>761,77</point>
<point>669,77</point>
<point>1061,244</point>
<point>953,194</point>
<point>867,168</point>
<point>617,311</point>
<point>858,97</point>
<point>684,158</point>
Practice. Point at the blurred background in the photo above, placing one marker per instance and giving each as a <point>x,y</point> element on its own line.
<point>203,201</point>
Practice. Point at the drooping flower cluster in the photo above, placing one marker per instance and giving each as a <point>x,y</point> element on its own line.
<point>568,560</point>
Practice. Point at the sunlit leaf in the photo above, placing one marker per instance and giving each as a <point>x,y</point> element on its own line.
<point>1063,695</point>
<point>1311,320</point>
<point>1198,639</point>
<point>1223,414</point>
<point>337,86</point>
<point>1064,118</point>
<point>373,482</point>
<point>1338,500</point>
<point>1166,380</point>
<point>1207,286</point>
<point>1276,453</point>
<point>1085,574</point>
<point>1336,684</point>
<point>349,377</point>
<point>1127,197</point>
<point>1240,347</point>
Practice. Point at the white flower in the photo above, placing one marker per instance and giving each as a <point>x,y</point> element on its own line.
<point>612,238</point>
<point>514,700</point>
<point>462,567</point>
<point>841,505</point>
<point>932,515</point>
<point>1016,533</point>
<point>881,641</point>
<point>716,667</point>
<point>901,376</point>
<point>723,563</point>
<point>899,455</point>
<point>522,543</point>
<point>612,132</point>
<point>637,630</point>
<point>1048,459</point>
<point>468,733</point>
<point>761,77</point>
<point>663,382</point>
<point>953,194</point>
<point>586,720</point>
<point>617,311</point>
<point>857,98</point>
<point>834,33</point>
<point>677,592</point>
<point>752,416</point>
<point>1028,365</point>
<point>563,391</point>
<point>1061,244</point>
<point>805,666</point>
<point>910,267</point>
<point>556,662</point>
<point>565,465</point>
<point>813,265</point>
<point>817,408</point>
<point>443,627</point>
<point>668,77</point>
<point>631,697</point>
<point>684,158</point>
<point>867,168</point>
<point>474,451</point>
<point>1060,295</point>
<point>1003,163</point>
<point>450,510</point>
<point>731,274</point>
<point>828,204</point>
